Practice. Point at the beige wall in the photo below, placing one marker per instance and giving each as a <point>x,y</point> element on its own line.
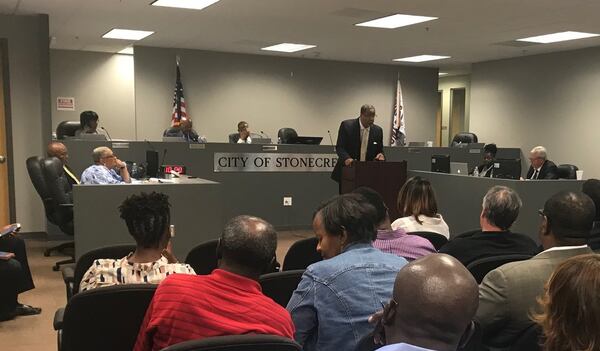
<point>28,59</point>
<point>99,82</point>
<point>445,85</point>
<point>312,96</point>
<point>551,100</point>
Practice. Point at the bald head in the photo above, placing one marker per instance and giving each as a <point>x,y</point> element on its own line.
<point>58,150</point>
<point>436,300</point>
<point>248,245</point>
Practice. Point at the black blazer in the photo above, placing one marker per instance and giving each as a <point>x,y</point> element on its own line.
<point>548,171</point>
<point>480,244</point>
<point>348,144</point>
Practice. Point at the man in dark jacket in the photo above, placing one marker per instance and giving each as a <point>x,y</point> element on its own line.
<point>541,167</point>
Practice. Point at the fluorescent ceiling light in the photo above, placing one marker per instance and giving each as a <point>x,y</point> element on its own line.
<point>421,58</point>
<point>556,37</point>
<point>442,74</point>
<point>185,4</point>
<point>288,47</point>
<point>127,51</point>
<point>395,21</point>
<point>127,34</point>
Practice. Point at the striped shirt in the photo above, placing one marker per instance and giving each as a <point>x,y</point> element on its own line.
<point>188,307</point>
<point>107,272</point>
<point>399,243</point>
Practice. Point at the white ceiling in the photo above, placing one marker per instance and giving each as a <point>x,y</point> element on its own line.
<point>468,30</point>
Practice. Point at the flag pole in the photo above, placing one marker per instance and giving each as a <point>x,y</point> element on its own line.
<point>177,59</point>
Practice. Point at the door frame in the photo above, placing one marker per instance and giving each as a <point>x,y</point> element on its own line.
<point>8,129</point>
<point>451,112</point>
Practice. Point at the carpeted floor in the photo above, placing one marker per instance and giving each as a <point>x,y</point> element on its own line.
<point>35,333</point>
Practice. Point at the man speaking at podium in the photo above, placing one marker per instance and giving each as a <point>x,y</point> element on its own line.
<point>358,140</point>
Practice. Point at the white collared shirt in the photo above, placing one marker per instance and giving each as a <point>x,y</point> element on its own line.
<point>247,141</point>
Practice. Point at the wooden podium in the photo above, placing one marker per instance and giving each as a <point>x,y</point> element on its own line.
<point>384,177</point>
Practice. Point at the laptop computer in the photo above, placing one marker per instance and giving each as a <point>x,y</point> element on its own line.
<point>460,168</point>
<point>306,140</point>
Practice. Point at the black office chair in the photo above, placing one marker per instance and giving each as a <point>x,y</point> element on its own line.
<point>234,137</point>
<point>301,254</point>
<point>530,340</point>
<point>248,342</point>
<point>103,319</point>
<point>479,268</point>
<point>280,286</point>
<point>464,138</point>
<point>594,239</point>
<point>567,171</point>
<point>437,240</point>
<point>47,177</point>
<point>72,275</point>
<point>67,129</point>
<point>286,135</point>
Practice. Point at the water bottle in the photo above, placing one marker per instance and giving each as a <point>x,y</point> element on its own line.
<point>476,172</point>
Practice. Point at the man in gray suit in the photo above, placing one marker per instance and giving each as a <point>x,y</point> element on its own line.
<point>507,295</point>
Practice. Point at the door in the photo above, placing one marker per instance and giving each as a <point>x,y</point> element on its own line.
<point>4,197</point>
<point>457,111</point>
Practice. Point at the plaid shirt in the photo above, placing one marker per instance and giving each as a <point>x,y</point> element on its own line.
<point>399,243</point>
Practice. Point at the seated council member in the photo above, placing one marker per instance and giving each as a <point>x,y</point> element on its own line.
<point>486,169</point>
<point>242,136</point>
<point>148,217</point>
<point>184,130</point>
<point>332,304</point>
<point>89,124</point>
<point>418,209</point>
<point>541,167</point>
<point>107,169</point>
<point>59,150</point>
<point>395,242</point>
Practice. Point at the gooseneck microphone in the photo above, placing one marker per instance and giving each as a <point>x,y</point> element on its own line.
<point>265,134</point>
<point>107,133</point>
<point>331,140</point>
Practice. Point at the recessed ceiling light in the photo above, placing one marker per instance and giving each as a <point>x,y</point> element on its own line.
<point>288,47</point>
<point>127,51</point>
<point>395,21</point>
<point>556,37</point>
<point>421,58</point>
<point>127,34</point>
<point>185,4</point>
<point>442,74</point>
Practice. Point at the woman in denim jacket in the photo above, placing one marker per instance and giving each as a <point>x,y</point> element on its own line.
<point>336,296</point>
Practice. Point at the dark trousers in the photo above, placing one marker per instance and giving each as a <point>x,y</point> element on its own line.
<point>10,274</point>
<point>16,245</point>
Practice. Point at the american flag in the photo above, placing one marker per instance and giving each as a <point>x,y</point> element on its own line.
<point>398,137</point>
<point>179,110</point>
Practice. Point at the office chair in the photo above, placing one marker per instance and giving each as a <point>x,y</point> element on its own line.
<point>248,342</point>
<point>479,268</point>
<point>285,135</point>
<point>280,286</point>
<point>437,240</point>
<point>529,340</point>
<point>567,171</point>
<point>463,138</point>
<point>56,198</point>
<point>234,137</point>
<point>103,319</point>
<point>67,129</point>
<point>301,254</point>
<point>72,275</point>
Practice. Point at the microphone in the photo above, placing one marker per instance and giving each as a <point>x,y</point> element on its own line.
<point>164,156</point>
<point>106,131</point>
<point>331,140</point>
<point>265,134</point>
<point>150,144</point>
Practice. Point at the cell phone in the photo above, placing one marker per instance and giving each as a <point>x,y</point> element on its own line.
<point>11,229</point>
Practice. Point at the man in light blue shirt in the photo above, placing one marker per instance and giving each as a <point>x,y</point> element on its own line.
<point>332,304</point>
<point>435,300</point>
<point>107,169</point>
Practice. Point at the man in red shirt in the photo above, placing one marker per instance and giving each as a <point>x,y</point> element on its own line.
<point>229,301</point>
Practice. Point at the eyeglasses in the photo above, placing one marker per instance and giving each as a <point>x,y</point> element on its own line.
<point>543,214</point>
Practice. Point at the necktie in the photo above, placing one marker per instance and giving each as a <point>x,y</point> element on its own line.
<point>364,143</point>
<point>535,174</point>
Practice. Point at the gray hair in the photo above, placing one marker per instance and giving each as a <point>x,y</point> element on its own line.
<point>99,152</point>
<point>501,206</point>
<point>249,243</point>
<point>540,151</point>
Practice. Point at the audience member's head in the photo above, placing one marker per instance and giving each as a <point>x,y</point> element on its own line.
<point>500,209</point>
<point>367,115</point>
<point>89,121</point>
<point>591,188</point>
<point>58,150</point>
<point>103,155</point>
<point>571,307</point>
<point>342,221</point>
<point>434,301</point>
<point>416,197</point>
<point>148,217</point>
<point>537,156</point>
<point>489,152</point>
<point>567,219</point>
<point>374,199</point>
<point>247,246</point>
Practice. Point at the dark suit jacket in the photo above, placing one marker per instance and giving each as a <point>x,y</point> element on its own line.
<point>348,144</point>
<point>548,171</point>
<point>478,245</point>
<point>72,181</point>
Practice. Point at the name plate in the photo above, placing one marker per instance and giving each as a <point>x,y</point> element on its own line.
<point>273,162</point>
